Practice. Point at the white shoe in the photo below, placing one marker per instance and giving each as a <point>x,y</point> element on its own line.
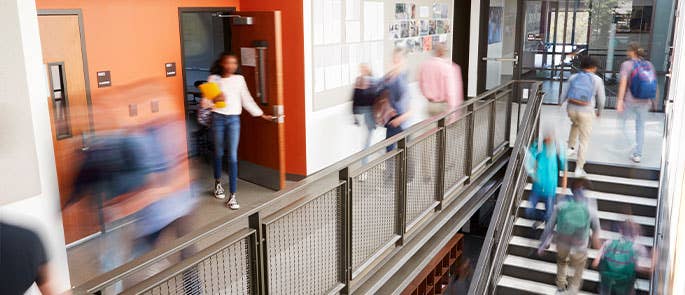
<point>636,158</point>
<point>233,203</point>
<point>580,173</point>
<point>219,191</point>
<point>570,152</point>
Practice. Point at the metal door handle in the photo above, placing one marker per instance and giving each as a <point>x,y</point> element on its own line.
<point>515,59</point>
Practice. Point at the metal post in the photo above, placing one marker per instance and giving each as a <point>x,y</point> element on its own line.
<point>401,172</point>
<point>442,155</point>
<point>346,238</point>
<point>257,255</point>
<point>469,142</point>
<point>491,127</point>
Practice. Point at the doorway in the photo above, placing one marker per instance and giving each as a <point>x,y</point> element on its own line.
<point>64,56</point>
<point>207,32</point>
<point>498,50</point>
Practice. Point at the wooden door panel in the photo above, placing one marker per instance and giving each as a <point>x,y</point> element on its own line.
<point>61,43</point>
<point>262,142</point>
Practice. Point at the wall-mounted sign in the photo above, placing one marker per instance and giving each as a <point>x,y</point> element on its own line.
<point>104,79</point>
<point>170,68</point>
<point>248,56</point>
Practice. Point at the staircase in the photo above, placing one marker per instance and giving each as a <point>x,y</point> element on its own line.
<point>620,192</point>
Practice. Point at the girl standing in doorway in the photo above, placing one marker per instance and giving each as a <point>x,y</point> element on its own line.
<point>226,121</point>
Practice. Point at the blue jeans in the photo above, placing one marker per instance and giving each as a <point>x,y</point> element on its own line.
<point>534,199</point>
<point>390,132</point>
<point>640,111</point>
<point>226,128</point>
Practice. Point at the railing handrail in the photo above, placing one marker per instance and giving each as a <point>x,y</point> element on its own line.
<point>483,275</point>
<point>280,199</point>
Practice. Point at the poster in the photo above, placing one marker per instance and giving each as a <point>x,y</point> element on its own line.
<point>401,11</point>
<point>394,31</point>
<point>248,56</point>
<point>413,28</point>
<point>495,25</point>
<point>440,10</point>
<point>427,43</point>
<point>424,27</point>
<point>432,27</point>
<point>424,12</point>
<point>412,10</point>
<point>404,29</point>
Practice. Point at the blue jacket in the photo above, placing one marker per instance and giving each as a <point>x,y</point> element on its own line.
<point>543,165</point>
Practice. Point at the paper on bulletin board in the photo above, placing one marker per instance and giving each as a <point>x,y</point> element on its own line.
<point>424,11</point>
<point>248,56</point>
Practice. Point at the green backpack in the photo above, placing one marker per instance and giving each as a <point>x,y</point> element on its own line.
<point>618,262</point>
<point>573,219</point>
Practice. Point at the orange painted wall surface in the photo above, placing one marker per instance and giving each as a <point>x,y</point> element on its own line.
<point>293,78</point>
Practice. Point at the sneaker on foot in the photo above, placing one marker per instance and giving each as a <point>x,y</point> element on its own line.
<point>537,225</point>
<point>580,173</point>
<point>233,203</point>
<point>219,191</point>
<point>636,158</point>
<point>570,152</point>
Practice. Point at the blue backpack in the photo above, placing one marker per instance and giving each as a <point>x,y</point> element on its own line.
<point>643,82</point>
<point>581,89</point>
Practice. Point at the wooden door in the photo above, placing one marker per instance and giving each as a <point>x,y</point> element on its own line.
<point>60,37</point>
<point>262,143</point>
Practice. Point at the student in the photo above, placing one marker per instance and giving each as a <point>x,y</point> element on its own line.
<point>23,262</point>
<point>637,90</point>
<point>617,261</point>
<point>226,121</point>
<point>585,97</point>
<point>440,82</point>
<point>573,219</point>
<point>543,165</point>
<point>363,98</point>
<point>397,88</point>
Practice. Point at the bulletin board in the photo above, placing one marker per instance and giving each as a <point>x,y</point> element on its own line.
<point>346,33</point>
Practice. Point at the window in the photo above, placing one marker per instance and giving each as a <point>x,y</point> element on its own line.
<point>60,102</point>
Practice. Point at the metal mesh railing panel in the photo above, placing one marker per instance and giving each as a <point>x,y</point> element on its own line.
<point>374,209</point>
<point>304,248</point>
<point>225,272</point>
<point>421,178</point>
<point>455,153</point>
<point>500,121</point>
<point>480,135</point>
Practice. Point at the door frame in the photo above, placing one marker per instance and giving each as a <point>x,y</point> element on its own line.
<point>483,42</point>
<point>79,13</point>
<point>181,10</point>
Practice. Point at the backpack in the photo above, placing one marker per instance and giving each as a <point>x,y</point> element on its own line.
<point>573,219</point>
<point>581,89</point>
<point>618,262</point>
<point>643,82</point>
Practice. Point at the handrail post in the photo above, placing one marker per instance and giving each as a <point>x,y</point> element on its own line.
<point>346,232</point>
<point>401,189</point>
<point>258,255</point>
<point>442,154</point>
<point>469,142</point>
<point>491,129</point>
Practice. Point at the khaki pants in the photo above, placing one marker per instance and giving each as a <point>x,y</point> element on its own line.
<point>581,128</point>
<point>577,260</point>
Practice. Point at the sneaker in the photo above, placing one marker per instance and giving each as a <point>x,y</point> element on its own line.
<point>219,191</point>
<point>636,158</point>
<point>233,203</point>
<point>537,225</point>
<point>580,173</point>
<point>561,290</point>
<point>570,152</point>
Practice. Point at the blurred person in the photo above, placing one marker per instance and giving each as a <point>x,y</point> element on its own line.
<point>363,98</point>
<point>585,96</point>
<point>396,87</point>
<point>440,81</point>
<point>637,91</point>
<point>618,261</point>
<point>23,262</point>
<point>574,219</point>
<point>226,121</point>
<point>543,164</point>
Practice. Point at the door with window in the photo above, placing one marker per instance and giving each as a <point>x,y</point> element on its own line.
<point>499,50</point>
<point>70,118</point>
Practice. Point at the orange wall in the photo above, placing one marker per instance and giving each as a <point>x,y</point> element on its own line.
<point>293,78</point>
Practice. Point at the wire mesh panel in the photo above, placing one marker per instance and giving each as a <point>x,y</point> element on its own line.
<point>225,272</point>
<point>480,135</point>
<point>304,248</point>
<point>421,177</point>
<point>374,209</point>
<point>500,120</point>
<point>455,153</point>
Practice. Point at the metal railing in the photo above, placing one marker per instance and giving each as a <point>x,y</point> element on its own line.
<point>501,225</point>
<point>327,232</point>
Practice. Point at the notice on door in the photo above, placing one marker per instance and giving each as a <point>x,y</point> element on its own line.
<point>248,56</point>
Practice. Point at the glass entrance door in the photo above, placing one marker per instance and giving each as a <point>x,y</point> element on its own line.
<point>501,57</point>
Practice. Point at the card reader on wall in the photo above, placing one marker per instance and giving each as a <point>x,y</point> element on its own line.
<point>236,19</point>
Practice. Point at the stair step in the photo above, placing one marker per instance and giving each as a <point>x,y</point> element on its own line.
<point>518,266</point>
<point>627,171</point>
<point>622,185</point>
<point>513,286</point>
<point>611,216</point>
<point>604,234</point>
<point>617,203</point>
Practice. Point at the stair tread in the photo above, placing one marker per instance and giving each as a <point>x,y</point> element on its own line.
<point>591,253</point>
<point>606,215</point>
<point>603,234</point>
<point>530,286</point>
<point>551,268</point>
<point>619,180</point>
<point>608,197</point>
